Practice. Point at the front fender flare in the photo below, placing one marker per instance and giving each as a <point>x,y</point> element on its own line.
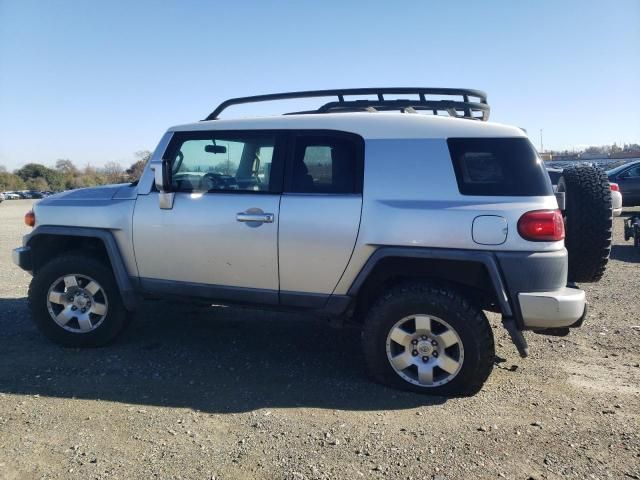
<point>127,292</point>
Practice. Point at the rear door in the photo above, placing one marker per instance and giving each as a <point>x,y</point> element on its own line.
<point>319,214</point>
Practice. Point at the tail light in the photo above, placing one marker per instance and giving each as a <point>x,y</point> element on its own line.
<point>30,218</point>
<point>614,187</point>
<point>542,226</point>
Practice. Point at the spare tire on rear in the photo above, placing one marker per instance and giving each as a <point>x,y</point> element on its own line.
<point>588,221</point>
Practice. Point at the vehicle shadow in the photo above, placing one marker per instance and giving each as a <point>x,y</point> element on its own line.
<point>625,253</point>
<point>217,360</point>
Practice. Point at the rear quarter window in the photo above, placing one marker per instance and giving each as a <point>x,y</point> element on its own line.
<point>498,167</point>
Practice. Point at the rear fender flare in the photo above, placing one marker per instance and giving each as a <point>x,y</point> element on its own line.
<point>486,259</point>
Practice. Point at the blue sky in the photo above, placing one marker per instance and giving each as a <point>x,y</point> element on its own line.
<point>96,81</point>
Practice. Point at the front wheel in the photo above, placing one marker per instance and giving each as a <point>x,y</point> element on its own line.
<point>75,301</point>
<point>428,339</point>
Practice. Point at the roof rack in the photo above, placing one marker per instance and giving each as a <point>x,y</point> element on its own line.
<point>459,108</point>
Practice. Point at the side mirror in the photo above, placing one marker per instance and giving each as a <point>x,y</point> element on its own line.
<point>167,180</point>
<point>162,175</point>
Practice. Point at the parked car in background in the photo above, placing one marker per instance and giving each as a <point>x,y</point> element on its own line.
<point>1,197</point>
<point>616,199</point>
<point>554,175</point>
<point>627,176</point>
<point>26,194</point>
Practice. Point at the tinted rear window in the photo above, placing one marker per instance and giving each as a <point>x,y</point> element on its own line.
<point>498,167</point>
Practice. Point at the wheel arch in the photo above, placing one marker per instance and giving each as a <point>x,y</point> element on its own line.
<point>476,274</point>
<point>46,242</point>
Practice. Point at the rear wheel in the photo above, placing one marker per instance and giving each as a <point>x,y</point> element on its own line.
<point>75,302</point>
<point>588,219</point>
<point>428,339</point>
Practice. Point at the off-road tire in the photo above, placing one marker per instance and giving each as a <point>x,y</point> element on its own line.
<point>84,264</point>
<point>469,322</point>
<point>588,221</point>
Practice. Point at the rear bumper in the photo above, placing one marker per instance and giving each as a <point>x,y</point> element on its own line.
<point>21,256</point>
<point>556,309</point>
<point>537,285</point>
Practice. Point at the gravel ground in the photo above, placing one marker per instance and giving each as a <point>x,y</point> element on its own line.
<point>235,393</point>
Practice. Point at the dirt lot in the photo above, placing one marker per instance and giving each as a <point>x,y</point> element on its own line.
<point>232,393</point>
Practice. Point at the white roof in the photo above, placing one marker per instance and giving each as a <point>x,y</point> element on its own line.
<point>369,125</point>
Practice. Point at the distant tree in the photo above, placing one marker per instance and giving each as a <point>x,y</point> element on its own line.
<point>9,182</point>
<point>135,170</point>
<point>615,148</point>
<point>226,168</point>
<point>91,177</point>
<point>3,169</point>
<point>143,155</point>
<point>54,179</point>
<point>69,171</point>
<point>595,150</point>
<point>66,166</point>
<point>37,183</point>
<point>113,172</point>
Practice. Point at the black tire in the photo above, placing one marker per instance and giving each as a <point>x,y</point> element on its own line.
<point>81,264</point>
<point>588,221</point>
<point>636,237</point>
<point>469,322</point>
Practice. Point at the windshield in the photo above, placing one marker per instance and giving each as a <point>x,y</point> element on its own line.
<point>618,169</point>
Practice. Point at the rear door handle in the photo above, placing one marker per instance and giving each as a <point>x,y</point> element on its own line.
<point>255,217</point>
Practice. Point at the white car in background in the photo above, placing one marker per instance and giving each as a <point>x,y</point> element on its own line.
<point>616,199</point>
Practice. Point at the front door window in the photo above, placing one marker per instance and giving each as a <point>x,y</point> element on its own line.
<point>219,162</point>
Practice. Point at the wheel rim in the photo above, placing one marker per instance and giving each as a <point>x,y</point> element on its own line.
<point>77,303</point>
<point>425,350</point>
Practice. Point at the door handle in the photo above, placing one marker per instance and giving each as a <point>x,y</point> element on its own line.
<point>255,217</point>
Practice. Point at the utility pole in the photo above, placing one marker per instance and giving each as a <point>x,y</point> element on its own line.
<point>541,144</point>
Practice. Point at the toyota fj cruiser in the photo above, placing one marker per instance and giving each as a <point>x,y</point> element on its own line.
<point>366,209</point>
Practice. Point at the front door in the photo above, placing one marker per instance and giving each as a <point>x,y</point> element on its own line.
<point>220,239</point>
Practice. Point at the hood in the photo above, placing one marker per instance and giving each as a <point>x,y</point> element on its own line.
<point>101,194</point>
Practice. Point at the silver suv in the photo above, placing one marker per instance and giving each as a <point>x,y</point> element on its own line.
<point>408,224</point>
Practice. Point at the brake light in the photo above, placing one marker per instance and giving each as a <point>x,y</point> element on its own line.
<point>614,187</point>
<point>30,218</point>
<point>542,226</point>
